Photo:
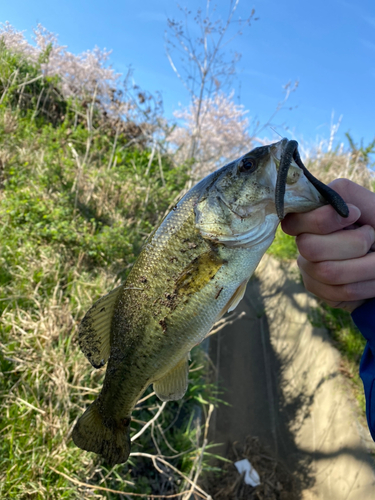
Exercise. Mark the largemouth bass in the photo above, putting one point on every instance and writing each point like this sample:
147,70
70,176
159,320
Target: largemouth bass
192,270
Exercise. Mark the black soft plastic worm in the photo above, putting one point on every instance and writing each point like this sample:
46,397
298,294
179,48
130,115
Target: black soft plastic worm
291,152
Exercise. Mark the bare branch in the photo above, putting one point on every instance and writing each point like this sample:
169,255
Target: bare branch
199,490
199,458
136,436
109,490
204,67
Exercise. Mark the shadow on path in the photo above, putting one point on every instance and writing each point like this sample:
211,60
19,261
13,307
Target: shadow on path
280,377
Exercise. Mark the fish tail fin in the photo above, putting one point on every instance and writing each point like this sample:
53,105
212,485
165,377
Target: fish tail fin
111,439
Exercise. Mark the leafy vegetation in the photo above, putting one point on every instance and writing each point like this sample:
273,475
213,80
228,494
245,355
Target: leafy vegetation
363,153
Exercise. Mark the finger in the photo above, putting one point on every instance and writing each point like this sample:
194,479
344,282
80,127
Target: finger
340,272
341,245
323,220
349,292
358,196
347,306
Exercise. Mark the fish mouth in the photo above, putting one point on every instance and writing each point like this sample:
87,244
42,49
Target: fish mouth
290,152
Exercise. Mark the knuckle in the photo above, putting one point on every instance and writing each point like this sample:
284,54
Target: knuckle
301,262
327,272
349,292
309,285
305,277
365,238
288,224
306,247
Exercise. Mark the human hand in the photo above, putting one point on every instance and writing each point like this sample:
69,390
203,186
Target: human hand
336,259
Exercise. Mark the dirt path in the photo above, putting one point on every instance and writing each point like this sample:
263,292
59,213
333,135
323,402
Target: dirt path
284,385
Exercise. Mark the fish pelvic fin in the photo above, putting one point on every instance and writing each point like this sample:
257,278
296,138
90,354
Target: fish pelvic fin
95,329
175,383
235,299
110,439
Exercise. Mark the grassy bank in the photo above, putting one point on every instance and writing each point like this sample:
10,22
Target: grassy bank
80,191
79,194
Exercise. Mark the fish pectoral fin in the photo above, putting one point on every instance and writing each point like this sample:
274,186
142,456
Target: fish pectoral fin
174,384
235,299
95,328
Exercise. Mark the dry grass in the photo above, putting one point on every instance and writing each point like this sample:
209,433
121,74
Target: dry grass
44,378
327,166
277,483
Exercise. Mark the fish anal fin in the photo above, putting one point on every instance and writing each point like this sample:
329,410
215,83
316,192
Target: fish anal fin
174,384
95,329
235,299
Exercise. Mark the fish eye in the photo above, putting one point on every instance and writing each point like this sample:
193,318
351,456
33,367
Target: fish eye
247,165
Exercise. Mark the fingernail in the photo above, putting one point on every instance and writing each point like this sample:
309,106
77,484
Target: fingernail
354,215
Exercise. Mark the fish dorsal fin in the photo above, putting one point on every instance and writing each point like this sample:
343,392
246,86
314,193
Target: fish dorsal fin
174,384
95,329
235,299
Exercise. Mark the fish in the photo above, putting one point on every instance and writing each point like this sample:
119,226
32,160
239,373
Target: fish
193,269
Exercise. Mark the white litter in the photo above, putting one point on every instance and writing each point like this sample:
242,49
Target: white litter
251,475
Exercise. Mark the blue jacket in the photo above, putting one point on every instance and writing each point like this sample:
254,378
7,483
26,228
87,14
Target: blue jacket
364,318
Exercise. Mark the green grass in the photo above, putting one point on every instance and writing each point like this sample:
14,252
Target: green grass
348,340
283,247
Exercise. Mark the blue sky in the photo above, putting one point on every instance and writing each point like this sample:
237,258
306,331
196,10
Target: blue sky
329,46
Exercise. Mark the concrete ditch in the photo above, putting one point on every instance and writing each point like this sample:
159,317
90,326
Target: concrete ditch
282,379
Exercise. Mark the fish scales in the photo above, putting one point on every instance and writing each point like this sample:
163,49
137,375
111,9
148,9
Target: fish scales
193,269
177,317
137,331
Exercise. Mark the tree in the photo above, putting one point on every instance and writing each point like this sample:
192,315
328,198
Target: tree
83,74
223,132
86,79
204,66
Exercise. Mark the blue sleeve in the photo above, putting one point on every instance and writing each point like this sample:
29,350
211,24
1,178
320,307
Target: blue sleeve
364,318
